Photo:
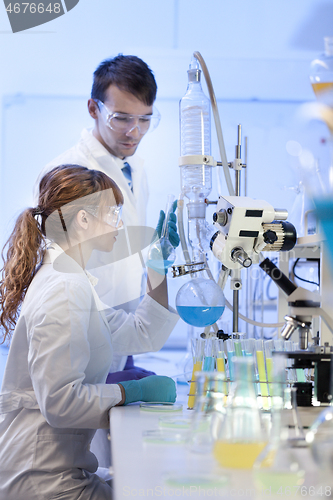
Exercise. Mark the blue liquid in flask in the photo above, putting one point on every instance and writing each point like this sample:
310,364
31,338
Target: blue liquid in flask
200,315
160,265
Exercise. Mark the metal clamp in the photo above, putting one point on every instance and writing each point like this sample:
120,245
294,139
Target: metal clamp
197,160
187,269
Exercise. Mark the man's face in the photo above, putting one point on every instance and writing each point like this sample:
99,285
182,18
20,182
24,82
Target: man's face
119,144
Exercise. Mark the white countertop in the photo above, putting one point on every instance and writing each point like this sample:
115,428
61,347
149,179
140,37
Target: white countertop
142,469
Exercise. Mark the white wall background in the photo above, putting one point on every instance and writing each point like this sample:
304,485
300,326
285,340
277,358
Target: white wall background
258,54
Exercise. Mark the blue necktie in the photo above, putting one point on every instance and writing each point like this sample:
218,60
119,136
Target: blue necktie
127,171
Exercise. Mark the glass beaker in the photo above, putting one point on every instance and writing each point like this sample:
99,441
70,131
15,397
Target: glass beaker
241,435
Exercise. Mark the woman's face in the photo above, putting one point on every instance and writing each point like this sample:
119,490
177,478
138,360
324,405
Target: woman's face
104,227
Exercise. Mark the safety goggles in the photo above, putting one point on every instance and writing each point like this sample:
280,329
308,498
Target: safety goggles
110,215
123,122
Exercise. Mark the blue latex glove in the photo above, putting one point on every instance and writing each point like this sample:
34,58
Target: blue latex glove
153,389
172,225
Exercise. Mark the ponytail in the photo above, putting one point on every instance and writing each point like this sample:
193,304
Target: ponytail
58,189
25,250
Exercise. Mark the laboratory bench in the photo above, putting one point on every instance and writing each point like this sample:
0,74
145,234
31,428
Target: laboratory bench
143,468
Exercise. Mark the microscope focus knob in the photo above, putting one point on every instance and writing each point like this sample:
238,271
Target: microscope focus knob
221,217
270,237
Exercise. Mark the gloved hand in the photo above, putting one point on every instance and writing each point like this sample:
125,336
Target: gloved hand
130,372
135,373
153,389
172,225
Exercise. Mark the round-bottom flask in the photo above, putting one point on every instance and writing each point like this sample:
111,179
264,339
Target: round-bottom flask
200,302
161,255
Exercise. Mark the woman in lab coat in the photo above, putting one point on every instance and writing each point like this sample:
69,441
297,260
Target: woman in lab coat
54,395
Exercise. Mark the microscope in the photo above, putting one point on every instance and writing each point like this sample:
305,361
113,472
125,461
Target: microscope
243,228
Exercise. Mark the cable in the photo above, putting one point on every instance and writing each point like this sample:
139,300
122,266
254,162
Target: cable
302,279
252,322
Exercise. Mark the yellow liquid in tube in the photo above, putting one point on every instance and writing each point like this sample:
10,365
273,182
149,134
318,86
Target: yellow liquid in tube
263,378
322,87
269,367
237,455
220,366
196,368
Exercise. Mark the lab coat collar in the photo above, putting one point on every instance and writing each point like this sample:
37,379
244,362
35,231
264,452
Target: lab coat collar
98,151
62,262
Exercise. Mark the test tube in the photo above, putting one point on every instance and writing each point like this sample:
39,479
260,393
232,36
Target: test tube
197,351
220,361
238,347
262,373
230,355
209,362
269,348
278,345
249,349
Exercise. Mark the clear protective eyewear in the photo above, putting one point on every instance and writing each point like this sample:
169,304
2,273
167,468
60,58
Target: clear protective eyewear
112,216
123,122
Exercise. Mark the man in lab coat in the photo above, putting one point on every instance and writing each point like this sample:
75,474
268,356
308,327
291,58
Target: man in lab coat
121,104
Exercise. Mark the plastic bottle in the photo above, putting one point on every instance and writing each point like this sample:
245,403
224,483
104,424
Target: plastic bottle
321,73
195,136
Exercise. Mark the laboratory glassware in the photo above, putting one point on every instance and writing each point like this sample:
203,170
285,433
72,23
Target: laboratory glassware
200,302
161,253
220,361
230,355
241,435
209,359
321,73
197,353
320,439
261,367
209,410
269,348
277,469
196,180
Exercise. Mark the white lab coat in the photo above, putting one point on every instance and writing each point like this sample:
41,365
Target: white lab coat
90,153
120,284
53,394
